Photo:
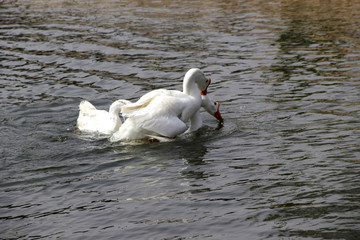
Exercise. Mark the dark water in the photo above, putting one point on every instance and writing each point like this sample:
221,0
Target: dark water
285,165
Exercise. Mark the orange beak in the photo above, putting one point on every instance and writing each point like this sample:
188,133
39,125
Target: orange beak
217,115
203,93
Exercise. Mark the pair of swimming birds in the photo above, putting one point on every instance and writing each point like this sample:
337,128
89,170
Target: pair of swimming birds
159,114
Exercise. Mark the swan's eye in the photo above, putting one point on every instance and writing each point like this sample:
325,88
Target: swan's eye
215,103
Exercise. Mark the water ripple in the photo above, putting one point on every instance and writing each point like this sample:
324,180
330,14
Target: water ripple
284,164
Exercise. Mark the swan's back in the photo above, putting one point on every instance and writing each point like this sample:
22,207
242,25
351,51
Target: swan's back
160,102
145,100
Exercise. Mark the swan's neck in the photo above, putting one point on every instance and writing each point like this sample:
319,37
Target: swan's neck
190,88
114,111
195,122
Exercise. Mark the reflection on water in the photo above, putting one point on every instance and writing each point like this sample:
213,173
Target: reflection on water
284,165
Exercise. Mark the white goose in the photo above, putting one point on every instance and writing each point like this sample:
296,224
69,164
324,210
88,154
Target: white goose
213,108
92,120
163,113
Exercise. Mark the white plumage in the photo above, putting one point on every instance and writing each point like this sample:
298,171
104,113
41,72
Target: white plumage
92,120
160,114
164,113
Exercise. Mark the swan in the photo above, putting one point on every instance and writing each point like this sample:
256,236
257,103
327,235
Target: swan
163,113
92,120
213,108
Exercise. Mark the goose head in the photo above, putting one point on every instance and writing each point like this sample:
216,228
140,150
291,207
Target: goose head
197,76
213,108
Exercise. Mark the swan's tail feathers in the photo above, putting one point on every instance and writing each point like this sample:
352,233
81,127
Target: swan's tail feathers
86,106
86,111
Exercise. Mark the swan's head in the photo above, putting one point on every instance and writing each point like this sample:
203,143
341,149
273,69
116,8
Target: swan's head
117,105
213,108
199,78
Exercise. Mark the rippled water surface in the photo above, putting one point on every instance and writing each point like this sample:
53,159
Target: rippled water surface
285,164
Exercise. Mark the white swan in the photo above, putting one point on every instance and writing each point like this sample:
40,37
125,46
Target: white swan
92,120
213,108
163,113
